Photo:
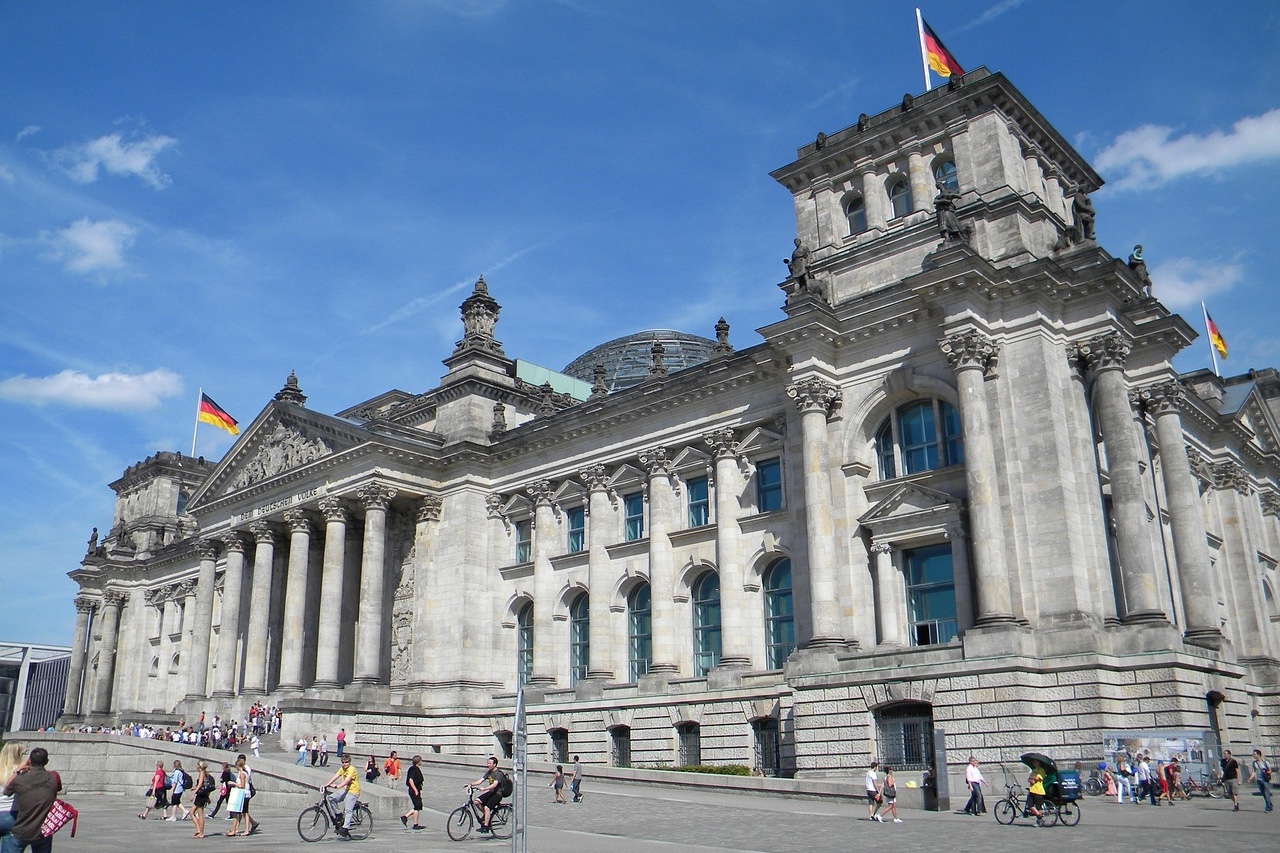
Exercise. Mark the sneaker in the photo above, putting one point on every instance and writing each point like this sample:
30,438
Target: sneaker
897,820
1235,808
404,819
417,826
877,818
484,829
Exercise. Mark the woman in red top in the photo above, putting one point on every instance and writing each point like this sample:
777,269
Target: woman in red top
159,785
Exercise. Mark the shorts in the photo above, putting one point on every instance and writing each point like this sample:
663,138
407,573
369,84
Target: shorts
175,799
416,800
1231,787
872,798
490,799
1035,801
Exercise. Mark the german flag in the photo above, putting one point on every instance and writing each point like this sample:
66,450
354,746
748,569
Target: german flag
212,413
940,59
1215,337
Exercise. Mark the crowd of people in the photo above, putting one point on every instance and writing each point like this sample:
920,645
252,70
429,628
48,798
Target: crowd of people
1161,783
234,786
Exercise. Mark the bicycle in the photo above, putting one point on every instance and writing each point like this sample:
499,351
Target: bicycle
1093,785
314,822
465,817
1013,806
1213,789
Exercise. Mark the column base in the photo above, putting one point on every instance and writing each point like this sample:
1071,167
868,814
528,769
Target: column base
825,643
370,680
543,681
667,668
600,675
325,685
1146,617
222,694
1001,639
1208,638
989,620
735,662
191,697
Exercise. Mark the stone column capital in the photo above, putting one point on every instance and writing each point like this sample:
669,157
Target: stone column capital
1230,475
297,520
1108,351
814,394
540,492
970,350
183,590
233,542
723,443
881,548
334,509
596,477
113,598
263,533
1270,503
375,496
207,549
84,604
429,508
656,461
156,597
1161,398
493,503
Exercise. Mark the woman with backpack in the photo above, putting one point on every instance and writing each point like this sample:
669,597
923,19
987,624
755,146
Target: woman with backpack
159,787
179,781
204,787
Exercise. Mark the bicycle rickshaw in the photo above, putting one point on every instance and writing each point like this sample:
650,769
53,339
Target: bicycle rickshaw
1062,795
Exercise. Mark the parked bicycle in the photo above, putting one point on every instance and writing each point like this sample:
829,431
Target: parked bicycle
314,823
1212,788
470,814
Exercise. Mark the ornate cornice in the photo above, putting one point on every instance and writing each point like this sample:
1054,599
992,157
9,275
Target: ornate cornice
814,395
969,350
656,462
334,510
429,507
375,496
298,521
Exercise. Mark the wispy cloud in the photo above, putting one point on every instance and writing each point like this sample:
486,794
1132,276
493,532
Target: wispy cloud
29,130
87,246
1149,156
105,391
1183,282
115,155
991,13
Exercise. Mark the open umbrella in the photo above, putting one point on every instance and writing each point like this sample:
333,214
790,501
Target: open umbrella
1029,759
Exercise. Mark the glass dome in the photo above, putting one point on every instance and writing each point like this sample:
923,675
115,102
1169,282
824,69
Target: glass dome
627,359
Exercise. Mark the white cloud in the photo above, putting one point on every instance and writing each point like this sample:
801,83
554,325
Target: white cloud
105,391
118,157
1148,156
93,246
1182,282
992,13
6,174
27,131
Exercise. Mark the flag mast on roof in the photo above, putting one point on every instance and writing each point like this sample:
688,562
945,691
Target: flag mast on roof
934,54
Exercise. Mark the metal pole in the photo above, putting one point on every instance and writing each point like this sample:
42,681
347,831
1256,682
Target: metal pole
196,428
519,841
924,52
1213,351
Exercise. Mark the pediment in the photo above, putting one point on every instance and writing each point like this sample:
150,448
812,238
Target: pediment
910,502
1255,421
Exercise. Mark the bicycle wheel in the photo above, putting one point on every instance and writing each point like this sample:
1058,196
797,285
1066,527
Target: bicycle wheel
361,823
1069,813
1006,812
503,822
1215,790
1048,814
1093,787
313,823
460,823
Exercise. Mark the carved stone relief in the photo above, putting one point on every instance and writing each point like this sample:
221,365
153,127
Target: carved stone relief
284,449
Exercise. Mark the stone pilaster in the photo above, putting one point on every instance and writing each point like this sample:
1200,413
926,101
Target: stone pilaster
599,637
332,581
295,599
202,628
735,634
256,638
1239,563
889,588
1105,356
429,616
224,676
814,399
375,498
1190,548
662,570
111,602
971,355
544,584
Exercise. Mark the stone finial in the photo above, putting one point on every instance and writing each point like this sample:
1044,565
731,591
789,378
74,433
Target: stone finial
599,389
479,319
291,393
546,400
658,365
722,347
499,428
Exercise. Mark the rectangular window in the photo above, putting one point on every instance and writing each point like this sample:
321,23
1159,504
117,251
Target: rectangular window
577,523
767,745
524,540
769,485
931,594
620,737
633,514
560,746
690,744
699,508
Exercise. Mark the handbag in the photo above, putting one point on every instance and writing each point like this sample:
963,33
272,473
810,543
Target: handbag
236,802
60,814
891,791
207,786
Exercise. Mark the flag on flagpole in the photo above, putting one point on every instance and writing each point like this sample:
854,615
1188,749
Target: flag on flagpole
937,56
1215,337
211,413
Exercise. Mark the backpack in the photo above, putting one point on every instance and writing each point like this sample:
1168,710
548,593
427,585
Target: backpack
505,787
186,781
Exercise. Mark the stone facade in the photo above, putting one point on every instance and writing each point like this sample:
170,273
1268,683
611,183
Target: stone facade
958,486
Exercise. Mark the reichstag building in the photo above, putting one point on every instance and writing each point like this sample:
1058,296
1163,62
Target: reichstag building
957,487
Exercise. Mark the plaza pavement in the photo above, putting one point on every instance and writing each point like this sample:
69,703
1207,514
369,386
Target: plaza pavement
619,818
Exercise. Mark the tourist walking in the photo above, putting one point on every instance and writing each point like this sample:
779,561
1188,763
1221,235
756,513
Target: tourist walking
239,796
873,792
341,740
224,789
1231,778
34,790
1124,781
575,784
159,785
251,825
302,751
413,783
557,783
324,750
204,787
315,750
178,782
889,794
974,780
1260,772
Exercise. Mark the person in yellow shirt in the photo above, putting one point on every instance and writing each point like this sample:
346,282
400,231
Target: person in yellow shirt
345,794
1035,792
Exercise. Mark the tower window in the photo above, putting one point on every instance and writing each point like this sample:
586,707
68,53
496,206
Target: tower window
855,213
900,198
946,173
920,436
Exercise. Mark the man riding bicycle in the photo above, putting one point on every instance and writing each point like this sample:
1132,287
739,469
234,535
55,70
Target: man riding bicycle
488,791
345,793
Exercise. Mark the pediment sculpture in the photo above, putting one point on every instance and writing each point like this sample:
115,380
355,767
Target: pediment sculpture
286,448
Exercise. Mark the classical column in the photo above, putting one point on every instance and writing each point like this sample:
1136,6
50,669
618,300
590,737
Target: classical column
329,630
111,601
1239,560
1190,545
1105,356
428,614
295,599
735,636
75,671
814,398
963,575
164,599
202,628
922,183
255,640
599,637
224,677
1031,165
888,592
182,615
662,569
544,584
971,354
373,572
874,199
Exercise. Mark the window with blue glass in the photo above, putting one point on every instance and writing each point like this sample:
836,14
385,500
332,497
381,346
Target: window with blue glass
524,540
920,436
931,594
900,198
633,515
855,213
699,507
639,631
946,173
524,643
706,623
576,521
779,614
579,644
769,485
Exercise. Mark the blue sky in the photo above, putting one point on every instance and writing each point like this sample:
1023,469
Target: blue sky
213,194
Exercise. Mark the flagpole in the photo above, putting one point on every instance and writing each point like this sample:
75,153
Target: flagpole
196,428
1208,335
924,51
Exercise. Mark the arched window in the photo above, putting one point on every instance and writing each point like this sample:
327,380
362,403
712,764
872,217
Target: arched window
779,619
706,623
946,173
639,631
919,436
524,643
579,645
183,497
900,198
855,213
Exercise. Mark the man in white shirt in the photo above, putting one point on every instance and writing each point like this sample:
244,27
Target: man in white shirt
873,793
973,778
